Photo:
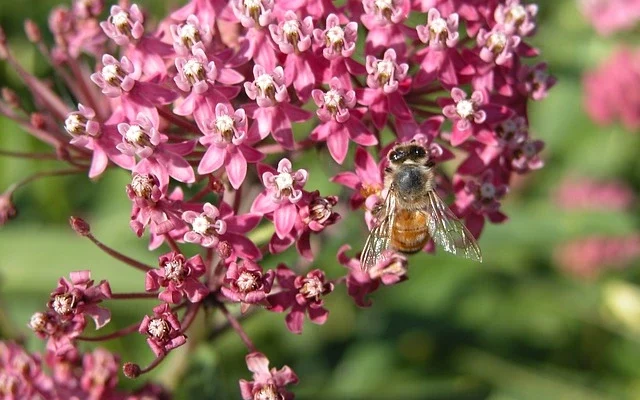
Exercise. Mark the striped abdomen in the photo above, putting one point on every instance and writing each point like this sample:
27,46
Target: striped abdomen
409,233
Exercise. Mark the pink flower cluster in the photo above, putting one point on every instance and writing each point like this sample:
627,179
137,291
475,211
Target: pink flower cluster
229,98
611,16
611,91
595,195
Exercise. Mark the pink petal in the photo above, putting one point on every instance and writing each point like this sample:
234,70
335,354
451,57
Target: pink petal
338,143
212,160
284,217
236,169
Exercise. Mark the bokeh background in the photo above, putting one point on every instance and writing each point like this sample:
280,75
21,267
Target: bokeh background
552,313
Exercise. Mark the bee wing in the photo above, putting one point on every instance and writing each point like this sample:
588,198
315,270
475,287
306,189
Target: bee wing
447,231
379,238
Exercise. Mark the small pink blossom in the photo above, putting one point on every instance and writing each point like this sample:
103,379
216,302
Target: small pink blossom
253,13
611,16
21,374
59,332
335,40
439,33
116,76
188,34
79,296
99,374
301,294
267,89
576,194
247,283
536,81
163,330
497,45
516,17
179,276
367,180
383,12
292,35
206,227
124,25
385,73
267,383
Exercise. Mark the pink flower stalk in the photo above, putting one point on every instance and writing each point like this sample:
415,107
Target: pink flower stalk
79,296
611,90
226,141
179,276
163,330
338,123
283,190
590,256
267,383
247,284
361,283
300,294
589,194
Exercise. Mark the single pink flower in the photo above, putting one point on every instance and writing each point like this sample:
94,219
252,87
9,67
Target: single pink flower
79,296
366,180
335,40
300,294
247,283
206,227
516,17
188,34
497,45
163,330
267,383
253,13
124,25
179,277
99,374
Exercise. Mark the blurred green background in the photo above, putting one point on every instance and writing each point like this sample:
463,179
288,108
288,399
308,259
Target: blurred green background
515,327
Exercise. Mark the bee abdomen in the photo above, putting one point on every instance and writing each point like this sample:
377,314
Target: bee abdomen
409,233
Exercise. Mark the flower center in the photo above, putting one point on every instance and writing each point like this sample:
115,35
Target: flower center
284,183
368,190
224,125
266,85
465,108
438,26
267,392
63,304
385,70
193,71
333,101
487,190
137,136
37,322
174,270
9,386
122,23
247,281
75,124
253,9
158,328
142,185
335,37
312,288
189,35
529,149
516,15
497,42
201,225
113,74
384,7
320,210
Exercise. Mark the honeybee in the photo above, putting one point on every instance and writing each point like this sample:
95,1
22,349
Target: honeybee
412,212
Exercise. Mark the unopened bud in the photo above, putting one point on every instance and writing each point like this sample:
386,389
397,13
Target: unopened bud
131,370
79,225
32,30
10,97
224,249
37,120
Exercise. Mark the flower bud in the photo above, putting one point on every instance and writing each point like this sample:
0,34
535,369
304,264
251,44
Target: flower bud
79,225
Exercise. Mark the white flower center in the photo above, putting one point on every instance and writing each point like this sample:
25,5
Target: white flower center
121,19
201,225
284,181
497,40
135,135
487,190
63,304
73,124
193,70
142,185
252,3
224,123
438,25
465,108
332,99
158,328
37,321
385,68
516,14
173,270
265,83
335,35
312,288
383,4
246,282
290,27
189,33
111,74
267,392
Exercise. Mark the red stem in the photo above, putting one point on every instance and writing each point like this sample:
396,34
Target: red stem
172,243
119,256
127,296
238,328
113,335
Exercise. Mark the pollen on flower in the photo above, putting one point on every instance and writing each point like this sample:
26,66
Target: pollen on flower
189,35
333,100
497,42
516,14
385,70
75,124
267,392
201,225
174,270
37,322
465,108
63,304
266,85
224,125
247,281
335,38
158,328
312,288
284,183
136,135
194,71
122,22
143,185
291,29
113,74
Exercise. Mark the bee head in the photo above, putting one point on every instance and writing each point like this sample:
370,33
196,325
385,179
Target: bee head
410,153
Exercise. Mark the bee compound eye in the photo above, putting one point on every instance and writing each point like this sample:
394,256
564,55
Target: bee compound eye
418,151
394,156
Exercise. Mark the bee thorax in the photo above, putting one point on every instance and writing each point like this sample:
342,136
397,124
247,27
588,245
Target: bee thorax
409,181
